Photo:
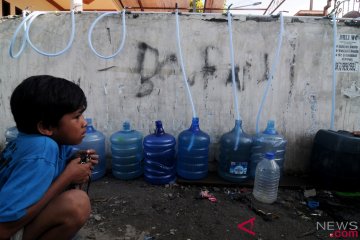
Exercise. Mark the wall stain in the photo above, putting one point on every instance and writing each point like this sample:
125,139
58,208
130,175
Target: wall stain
314,109
246,74
109,34
147,85
266,73
191,80
296,20
261,19
105,69
216,20
292,73
229,79
207,70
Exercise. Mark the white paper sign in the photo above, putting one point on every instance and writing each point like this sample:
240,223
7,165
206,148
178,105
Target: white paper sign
347,53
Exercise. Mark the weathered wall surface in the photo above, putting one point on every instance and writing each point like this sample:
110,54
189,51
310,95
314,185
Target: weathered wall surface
144,82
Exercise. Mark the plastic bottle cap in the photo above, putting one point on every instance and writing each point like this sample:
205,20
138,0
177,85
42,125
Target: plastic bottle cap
158,123
126,125
269,155
270,128
271,123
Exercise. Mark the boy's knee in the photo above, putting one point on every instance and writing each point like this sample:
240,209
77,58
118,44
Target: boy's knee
79,206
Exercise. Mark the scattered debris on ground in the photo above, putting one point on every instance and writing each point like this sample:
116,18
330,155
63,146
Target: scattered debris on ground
141,211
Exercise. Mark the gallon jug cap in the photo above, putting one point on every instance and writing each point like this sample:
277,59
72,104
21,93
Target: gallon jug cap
238,122
159,128
89,121
158,123
195,120
89,126
126,126
271,124
269,155
195,124
270,128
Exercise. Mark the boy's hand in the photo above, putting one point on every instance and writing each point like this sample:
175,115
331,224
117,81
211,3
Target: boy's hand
88,156
80,173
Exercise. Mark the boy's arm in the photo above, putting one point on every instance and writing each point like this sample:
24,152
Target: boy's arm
74,173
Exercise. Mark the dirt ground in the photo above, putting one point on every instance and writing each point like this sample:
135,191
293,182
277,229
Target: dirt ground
138,210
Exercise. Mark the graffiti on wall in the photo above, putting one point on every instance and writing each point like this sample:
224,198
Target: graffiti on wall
150,65
148,54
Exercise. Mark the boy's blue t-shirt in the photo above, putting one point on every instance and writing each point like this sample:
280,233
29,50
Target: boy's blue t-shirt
28,166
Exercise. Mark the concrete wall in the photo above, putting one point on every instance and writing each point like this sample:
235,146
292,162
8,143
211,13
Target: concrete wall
144,82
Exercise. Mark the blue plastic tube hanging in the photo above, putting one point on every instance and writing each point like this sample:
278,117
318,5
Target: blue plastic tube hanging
23,42
121,46
26,39
272,71
233,66
184,73
229,18
57,53
333,73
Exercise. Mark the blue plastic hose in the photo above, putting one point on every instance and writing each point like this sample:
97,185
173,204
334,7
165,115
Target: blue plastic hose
273,69
233,78
13,39
334,73
233,67
184,74
182,63
121,46
36,14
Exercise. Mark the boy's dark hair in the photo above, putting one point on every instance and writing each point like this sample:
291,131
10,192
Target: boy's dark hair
44,98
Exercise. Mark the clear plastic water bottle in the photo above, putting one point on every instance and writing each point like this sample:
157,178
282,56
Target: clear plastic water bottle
159,154
193,152
234,156
268,141
126,153
94,140
267,178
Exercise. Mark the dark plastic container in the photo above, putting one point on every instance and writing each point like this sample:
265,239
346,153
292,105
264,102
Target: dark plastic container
335,160
159,154
234,156
193,152
94,140
126,153
268,141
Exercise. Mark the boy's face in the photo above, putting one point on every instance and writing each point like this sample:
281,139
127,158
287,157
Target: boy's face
71,129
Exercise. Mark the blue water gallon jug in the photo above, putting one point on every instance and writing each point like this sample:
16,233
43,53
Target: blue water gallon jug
10,134
193,152
94,140
234,158
268,141
159,154
267,176
126,153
